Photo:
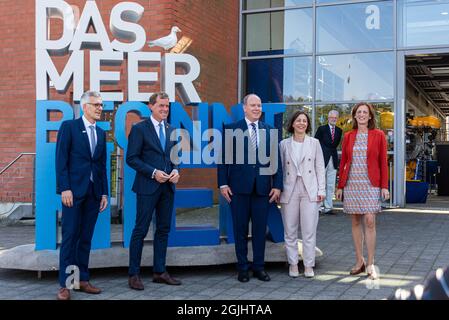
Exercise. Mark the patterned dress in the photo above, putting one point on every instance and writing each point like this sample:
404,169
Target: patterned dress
359,195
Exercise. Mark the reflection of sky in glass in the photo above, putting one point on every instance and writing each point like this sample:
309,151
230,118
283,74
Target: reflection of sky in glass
297,79
366,76
352,27
261,4
298,31
423,22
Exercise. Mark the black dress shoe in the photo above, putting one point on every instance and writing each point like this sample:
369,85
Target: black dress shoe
261,275
165,278
243,276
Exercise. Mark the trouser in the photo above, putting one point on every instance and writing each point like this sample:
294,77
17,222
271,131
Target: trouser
300,210
78,224
245,207
331,175
162,202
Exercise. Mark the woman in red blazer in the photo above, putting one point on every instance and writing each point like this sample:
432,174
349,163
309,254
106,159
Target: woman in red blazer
363,182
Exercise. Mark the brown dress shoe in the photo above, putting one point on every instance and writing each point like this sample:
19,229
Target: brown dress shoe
135,283
86,287
63,294
165,278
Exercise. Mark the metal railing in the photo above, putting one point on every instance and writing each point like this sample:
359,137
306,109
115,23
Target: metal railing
33,194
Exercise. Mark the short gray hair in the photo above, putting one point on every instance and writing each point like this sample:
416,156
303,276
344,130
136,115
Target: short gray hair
245,99
334,112
88,94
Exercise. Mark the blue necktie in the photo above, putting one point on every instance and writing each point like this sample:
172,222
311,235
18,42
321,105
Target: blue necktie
162,135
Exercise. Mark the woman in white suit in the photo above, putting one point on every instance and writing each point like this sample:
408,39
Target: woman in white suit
304,189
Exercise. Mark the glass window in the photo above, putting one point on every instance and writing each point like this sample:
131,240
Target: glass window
364,76
356,26
423,23
331,1
280,80
384,118
263,4
283,32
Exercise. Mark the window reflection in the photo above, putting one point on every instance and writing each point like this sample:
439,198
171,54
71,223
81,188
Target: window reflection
280,80
358,26
365,76
423,22
263,4
283,32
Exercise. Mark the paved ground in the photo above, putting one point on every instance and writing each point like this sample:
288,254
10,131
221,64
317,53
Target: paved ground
410,247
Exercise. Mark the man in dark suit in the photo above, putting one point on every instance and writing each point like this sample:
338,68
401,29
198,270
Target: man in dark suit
329,136
82,182
248,186
149,147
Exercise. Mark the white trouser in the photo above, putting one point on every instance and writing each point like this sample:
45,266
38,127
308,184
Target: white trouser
300,210
331,175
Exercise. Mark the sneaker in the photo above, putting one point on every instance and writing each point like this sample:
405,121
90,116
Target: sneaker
308,273
293,271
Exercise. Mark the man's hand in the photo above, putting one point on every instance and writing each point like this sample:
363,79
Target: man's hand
174,177
103,203
161,176
339,194
67,198
226,193
275,195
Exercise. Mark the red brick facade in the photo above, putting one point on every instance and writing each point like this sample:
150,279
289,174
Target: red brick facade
212,25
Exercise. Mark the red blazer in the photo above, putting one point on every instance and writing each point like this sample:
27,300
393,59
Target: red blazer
376,154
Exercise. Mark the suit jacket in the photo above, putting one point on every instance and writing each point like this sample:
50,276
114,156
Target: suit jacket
74,162
376,158
311,167
242,176
324,135
145,154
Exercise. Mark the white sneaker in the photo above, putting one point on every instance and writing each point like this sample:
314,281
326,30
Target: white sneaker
293,271
308,273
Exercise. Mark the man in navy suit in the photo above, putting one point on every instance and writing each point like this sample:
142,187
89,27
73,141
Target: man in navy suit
329,136
248,186
82,182
149,147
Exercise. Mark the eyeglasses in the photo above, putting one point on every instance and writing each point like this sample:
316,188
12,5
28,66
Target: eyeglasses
97,105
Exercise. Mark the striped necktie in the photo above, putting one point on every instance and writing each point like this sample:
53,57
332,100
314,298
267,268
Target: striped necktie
253,135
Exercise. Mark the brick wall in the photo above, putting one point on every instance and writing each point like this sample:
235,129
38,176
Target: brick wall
213,26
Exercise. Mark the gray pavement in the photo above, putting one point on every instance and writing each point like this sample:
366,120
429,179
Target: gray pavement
411,245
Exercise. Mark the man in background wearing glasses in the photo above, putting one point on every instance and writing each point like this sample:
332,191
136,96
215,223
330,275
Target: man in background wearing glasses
82,182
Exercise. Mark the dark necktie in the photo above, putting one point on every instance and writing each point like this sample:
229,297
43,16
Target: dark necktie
333,133
253,135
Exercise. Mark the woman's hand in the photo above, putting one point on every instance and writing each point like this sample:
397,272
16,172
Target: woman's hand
339,194
385,194
320,198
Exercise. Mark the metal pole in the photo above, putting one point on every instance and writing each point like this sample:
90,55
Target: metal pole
391,184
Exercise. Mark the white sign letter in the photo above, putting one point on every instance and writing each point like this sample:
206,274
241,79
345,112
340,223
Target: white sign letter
84,40
123,24
46,9
135,77
97,77
183,82
45,66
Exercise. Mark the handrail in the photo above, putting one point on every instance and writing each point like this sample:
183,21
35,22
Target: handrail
17,158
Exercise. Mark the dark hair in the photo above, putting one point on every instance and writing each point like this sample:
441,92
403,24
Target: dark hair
371,122
160,95
292,119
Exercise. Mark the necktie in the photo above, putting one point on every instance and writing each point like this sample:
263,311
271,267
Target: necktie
253,135
333,133
162,135
93,142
